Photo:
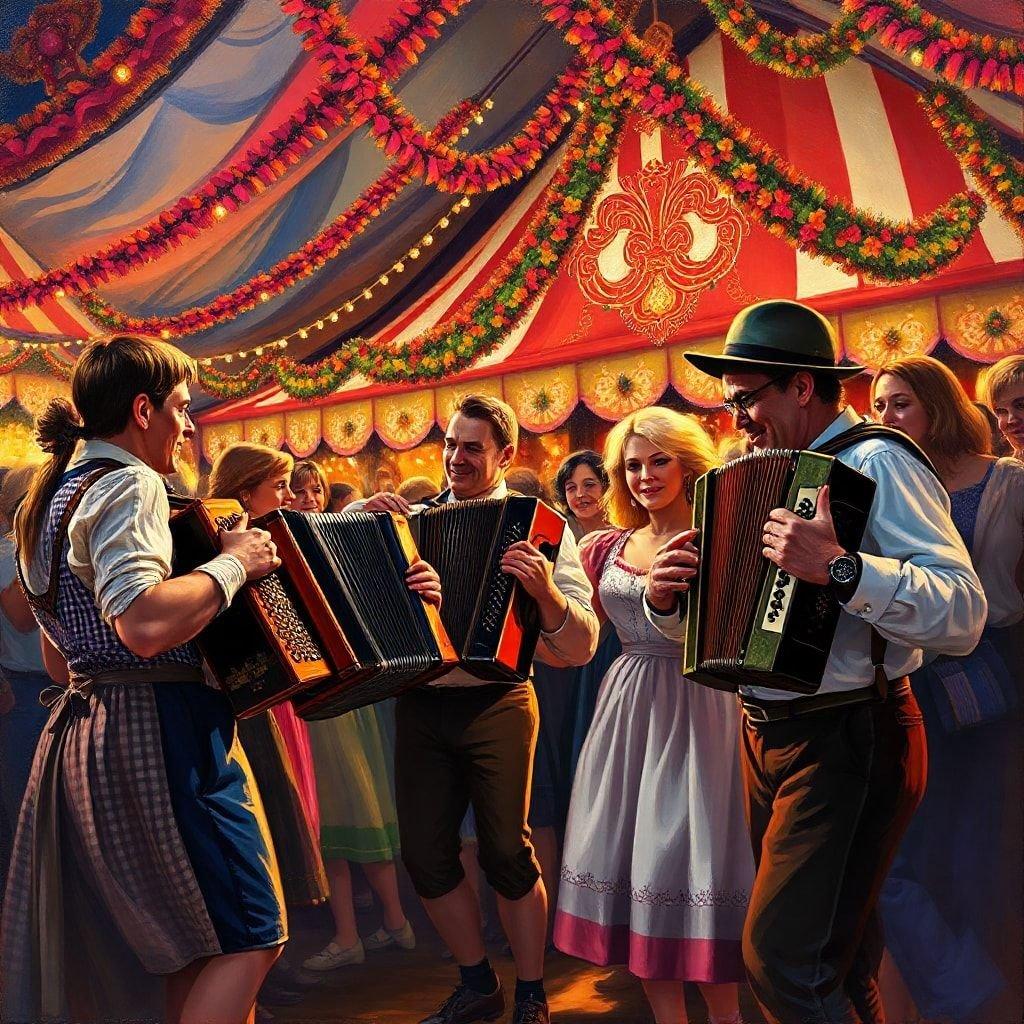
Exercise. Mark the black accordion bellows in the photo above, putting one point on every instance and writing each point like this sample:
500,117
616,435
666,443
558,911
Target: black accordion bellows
494,626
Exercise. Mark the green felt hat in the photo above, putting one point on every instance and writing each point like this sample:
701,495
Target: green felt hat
776,335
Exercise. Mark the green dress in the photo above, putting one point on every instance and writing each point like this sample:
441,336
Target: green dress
358,820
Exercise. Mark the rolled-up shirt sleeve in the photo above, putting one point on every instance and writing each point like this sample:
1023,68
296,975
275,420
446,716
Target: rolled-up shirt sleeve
120,538
918,586
575,640
670,624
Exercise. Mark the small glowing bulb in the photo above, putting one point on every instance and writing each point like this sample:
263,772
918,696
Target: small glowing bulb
67,344
489,104
414,253
303,333
383,279
478,119
581,106
258,350
464,202
916,58
121,73
283,343
443,222
60,293
220,211
349,308
319,325
264,296
427,239
463,131
399,267
242,354
227,357
367,294
334,317
165,334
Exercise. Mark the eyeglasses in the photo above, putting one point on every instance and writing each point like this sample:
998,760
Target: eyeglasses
743,401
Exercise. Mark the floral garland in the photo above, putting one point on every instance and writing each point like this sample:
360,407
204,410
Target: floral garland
976,145
155,37
901,25
265,161
326,33
484,320
325,246
14,360
769,188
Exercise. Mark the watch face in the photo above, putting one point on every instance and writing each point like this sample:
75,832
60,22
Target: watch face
843,569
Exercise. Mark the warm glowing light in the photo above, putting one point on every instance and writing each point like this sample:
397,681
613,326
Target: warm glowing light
489,104
60,293
349,308
220,211
399,267
384,279
165,334
367,294
443,222
463,131
414,254
303,333
264,296
121,73
478,119
464,202
258,350
427,239
334,317
319,325
916,58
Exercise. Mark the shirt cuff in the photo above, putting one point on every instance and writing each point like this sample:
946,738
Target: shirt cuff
879,581
553,634
672,618
228,572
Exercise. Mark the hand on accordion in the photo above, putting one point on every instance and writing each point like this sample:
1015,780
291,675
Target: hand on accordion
252,547
423,578
803,547
673,567
385,501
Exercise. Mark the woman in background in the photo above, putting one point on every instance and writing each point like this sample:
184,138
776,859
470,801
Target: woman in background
358,822
580,485
951,905
21,662
1001,388
657,868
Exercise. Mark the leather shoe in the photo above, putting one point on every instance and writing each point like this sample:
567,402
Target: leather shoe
530,1011
464,1006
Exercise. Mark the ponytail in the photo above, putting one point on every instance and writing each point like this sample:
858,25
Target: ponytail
58,430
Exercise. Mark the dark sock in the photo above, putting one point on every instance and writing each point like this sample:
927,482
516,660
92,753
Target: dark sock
530,990
480,977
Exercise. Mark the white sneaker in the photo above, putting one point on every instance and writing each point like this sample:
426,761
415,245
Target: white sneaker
384,937
332,956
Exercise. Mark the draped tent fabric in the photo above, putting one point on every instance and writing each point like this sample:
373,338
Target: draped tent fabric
858,130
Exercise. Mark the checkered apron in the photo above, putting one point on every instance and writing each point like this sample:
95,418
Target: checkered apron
100,881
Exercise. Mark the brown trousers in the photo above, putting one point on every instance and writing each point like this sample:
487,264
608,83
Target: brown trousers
457,746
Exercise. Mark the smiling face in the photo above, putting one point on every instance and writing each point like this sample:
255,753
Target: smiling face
776,416
583,492
654,478
309,494
167,428
896,405
1008,405
273,492
473,462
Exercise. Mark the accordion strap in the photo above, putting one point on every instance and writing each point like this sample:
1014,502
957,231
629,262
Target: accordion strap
875,431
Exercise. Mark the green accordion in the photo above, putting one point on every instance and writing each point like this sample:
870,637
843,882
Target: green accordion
748,621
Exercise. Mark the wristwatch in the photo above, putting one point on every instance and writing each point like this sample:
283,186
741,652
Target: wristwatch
844,574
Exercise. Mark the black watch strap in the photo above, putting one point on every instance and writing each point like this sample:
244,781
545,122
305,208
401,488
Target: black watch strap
844,591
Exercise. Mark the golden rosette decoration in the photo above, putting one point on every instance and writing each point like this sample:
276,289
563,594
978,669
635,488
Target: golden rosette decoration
402,421
882,335
613,388
542,399
346,428
697,388
266,430
217,437
302,431
985,325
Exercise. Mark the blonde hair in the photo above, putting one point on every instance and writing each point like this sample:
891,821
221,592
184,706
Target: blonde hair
308,470
1007,373
108,377
955,425
681,436
243,467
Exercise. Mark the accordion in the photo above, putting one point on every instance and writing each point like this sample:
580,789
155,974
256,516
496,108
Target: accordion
334,628
494,625
748,621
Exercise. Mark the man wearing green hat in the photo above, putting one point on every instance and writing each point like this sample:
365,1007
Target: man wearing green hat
831,780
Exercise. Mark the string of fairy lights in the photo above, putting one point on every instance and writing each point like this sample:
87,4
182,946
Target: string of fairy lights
346,307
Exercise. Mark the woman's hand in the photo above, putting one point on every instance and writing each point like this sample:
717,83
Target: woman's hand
673,567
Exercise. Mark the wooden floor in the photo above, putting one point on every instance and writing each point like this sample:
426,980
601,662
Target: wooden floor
396,986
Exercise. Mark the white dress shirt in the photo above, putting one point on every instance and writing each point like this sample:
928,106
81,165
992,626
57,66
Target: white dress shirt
575,640
120,538
918,587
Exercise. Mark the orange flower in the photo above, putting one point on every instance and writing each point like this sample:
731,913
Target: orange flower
872,247
817,220
725,147
764,198
571,204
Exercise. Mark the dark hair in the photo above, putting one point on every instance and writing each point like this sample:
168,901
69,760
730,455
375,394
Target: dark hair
827,386
108,377
341,493
572,462
497,413
526,481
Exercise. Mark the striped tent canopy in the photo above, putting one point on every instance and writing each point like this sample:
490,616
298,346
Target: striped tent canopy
613,316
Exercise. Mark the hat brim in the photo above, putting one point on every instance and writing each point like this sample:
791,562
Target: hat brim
715,366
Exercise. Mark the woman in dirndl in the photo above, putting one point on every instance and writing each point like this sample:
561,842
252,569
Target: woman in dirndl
142,848
657,867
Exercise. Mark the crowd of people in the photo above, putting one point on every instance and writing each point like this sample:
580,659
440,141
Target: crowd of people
618,813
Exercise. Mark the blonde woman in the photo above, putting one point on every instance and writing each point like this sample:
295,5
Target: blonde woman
657,866
259,478
951,904
358,822
1001,388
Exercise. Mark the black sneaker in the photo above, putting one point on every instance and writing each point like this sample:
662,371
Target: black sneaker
530,1011
464,1006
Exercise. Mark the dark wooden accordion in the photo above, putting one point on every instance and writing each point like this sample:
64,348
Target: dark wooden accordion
494,625
335,628
748,621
